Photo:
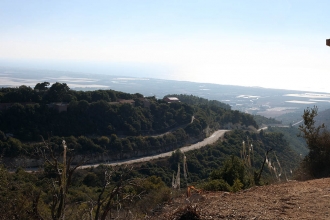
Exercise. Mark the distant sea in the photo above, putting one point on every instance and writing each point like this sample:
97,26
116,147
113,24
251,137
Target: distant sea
254,100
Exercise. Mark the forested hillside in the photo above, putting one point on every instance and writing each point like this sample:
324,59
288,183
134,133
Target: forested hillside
115,125
107,121
194,100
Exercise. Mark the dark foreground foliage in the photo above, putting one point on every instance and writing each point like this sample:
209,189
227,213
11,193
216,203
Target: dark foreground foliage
317,162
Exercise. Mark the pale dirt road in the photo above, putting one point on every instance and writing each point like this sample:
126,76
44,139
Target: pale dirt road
210,140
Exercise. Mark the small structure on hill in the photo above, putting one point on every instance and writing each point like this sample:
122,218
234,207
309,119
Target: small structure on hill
171,99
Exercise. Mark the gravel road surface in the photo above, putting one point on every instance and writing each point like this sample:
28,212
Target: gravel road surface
210,140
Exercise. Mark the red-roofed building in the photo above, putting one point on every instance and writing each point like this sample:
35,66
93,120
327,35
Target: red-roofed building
171,99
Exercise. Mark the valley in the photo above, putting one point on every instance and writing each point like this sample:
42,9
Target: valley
219,145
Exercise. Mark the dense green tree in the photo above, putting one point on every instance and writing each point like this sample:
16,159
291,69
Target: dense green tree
86,96
57,92
100,95
91,179
21,94
112,95
127,146
217,185
233,169
317,162
15,147
87,145
42,86
103,141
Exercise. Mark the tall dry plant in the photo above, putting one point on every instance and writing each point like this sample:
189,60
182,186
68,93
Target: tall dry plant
62,165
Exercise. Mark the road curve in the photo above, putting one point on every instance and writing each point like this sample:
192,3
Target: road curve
210,140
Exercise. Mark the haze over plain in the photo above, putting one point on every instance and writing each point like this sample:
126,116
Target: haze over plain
273,44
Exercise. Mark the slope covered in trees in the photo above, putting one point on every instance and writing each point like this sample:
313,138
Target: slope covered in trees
107,121
98,193
92,126
194,100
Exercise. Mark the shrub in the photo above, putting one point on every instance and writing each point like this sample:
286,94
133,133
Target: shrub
216,185
237,186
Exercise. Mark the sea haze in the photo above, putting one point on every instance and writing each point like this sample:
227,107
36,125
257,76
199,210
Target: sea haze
274,103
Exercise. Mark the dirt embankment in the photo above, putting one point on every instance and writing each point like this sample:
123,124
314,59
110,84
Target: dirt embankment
291,200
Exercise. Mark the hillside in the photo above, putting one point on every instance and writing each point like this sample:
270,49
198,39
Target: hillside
110,122
296,143
323,117
109,126
290,200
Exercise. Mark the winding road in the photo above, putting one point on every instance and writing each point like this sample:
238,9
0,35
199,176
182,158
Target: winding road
281,126
210,140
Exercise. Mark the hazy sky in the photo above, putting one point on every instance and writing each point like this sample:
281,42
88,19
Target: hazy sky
277,44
